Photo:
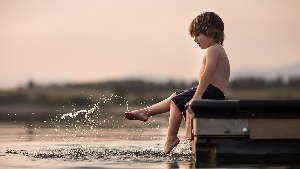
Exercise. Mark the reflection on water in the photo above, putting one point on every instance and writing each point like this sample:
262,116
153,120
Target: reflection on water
124,148
96,136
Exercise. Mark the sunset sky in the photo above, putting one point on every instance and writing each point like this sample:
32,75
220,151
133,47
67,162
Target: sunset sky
58,41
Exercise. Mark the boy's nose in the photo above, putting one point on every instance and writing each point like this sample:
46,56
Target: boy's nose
195,39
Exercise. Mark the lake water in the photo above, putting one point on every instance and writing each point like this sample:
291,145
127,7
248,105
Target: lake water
94,138
35,148
41,147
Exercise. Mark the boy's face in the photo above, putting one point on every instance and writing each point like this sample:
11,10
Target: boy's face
203,41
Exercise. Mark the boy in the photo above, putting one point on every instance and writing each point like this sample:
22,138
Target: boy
207,30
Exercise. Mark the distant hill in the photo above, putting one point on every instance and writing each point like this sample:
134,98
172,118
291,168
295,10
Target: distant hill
284,72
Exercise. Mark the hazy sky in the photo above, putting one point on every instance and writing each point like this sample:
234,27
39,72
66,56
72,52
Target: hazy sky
93,40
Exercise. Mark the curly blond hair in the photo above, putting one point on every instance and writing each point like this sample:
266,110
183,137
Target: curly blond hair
208,24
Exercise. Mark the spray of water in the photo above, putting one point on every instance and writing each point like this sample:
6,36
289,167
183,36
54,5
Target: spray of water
89,124
102,101
92,122
145,154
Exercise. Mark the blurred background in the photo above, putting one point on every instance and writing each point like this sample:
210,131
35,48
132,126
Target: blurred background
60,54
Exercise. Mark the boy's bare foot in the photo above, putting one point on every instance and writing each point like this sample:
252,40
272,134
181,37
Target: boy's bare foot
136,115
169,145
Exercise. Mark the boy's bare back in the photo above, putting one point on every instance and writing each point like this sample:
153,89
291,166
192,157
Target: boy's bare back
218,60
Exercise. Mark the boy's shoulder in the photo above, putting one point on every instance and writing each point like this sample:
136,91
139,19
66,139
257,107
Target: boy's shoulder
215,49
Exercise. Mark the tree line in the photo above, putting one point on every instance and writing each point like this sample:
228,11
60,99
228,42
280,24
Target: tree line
140,86
260,82
139,89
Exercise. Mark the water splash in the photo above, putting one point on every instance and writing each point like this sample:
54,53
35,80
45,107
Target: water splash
86,112
146,154
90,124
102,101
87,124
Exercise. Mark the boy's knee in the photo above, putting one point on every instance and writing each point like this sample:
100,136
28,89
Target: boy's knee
173,95
173,105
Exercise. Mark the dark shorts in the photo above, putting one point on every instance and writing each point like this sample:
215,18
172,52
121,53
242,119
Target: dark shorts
182,97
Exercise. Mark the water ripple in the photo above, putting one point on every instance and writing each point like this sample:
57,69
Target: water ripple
104,154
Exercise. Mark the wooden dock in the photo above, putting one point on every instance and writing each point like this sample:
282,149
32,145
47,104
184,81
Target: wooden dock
245,131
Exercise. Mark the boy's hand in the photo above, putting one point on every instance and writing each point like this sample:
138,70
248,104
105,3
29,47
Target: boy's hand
188,103
194,98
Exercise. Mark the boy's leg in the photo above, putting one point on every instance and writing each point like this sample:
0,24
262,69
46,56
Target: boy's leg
188,125
144,114
174,124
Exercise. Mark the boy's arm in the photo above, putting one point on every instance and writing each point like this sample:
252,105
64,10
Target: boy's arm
212,56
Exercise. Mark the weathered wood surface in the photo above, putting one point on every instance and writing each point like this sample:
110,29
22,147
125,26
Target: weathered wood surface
274,128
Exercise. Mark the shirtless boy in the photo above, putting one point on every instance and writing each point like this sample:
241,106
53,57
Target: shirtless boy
207,30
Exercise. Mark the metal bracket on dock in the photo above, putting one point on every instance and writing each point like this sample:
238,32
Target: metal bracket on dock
220,127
